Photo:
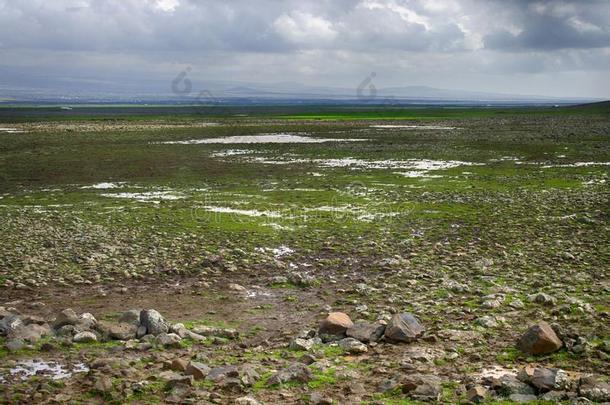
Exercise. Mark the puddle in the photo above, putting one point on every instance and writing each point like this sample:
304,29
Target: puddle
496,372
232,152
12,130
55,371
279,227
151,196
262,138
594,182
250,213
577,164
353,163
415,174
436,127
257,293
104,186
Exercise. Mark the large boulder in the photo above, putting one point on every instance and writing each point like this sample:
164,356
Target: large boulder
29,333
154,322
168,340
85,337
335,326
539,339
404,328
118,331
547,379
132,316
366,332
9,324
65,317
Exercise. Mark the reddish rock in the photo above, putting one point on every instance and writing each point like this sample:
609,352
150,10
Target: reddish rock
539,339
335,324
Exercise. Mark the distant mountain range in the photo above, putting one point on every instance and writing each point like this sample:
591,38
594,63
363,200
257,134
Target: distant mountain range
78,90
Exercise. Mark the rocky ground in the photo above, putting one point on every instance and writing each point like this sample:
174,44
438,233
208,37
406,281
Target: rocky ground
485,281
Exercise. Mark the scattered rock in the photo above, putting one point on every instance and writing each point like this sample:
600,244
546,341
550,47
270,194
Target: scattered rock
334,326
10,323
353,346
247,401
103,384
366,332
295,372
179,365
509,385
422,387
132,316
198,370
543,298
487,321
14,345
168,340
237,287
522,398
65,317
221,373
118,331
476,394
85,337
403,328
593,389
86,321
547,379
29,333
203,330
316,398
539,339
301,344
153,321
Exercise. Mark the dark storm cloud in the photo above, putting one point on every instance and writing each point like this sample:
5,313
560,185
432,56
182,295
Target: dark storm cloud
550,25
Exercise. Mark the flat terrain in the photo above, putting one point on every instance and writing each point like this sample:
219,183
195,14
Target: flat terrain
463,217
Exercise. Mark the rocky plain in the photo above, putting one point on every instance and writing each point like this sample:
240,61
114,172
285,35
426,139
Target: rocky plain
466,264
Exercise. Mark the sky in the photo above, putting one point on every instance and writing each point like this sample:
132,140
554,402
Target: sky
555,48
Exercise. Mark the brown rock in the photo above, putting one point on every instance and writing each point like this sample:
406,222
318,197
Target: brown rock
539,339
198,370
179,365
335,324
477,394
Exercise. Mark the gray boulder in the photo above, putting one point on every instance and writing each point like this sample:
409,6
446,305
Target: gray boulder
65,317
85,337
594,389
403,328
132,316
295,372
154,322
9,323
547,379
353,346
366,332
29,333
168,340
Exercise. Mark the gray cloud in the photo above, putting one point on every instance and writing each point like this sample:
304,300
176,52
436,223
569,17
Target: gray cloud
485,44
550,25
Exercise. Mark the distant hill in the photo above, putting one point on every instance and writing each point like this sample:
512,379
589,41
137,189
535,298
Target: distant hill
601,105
